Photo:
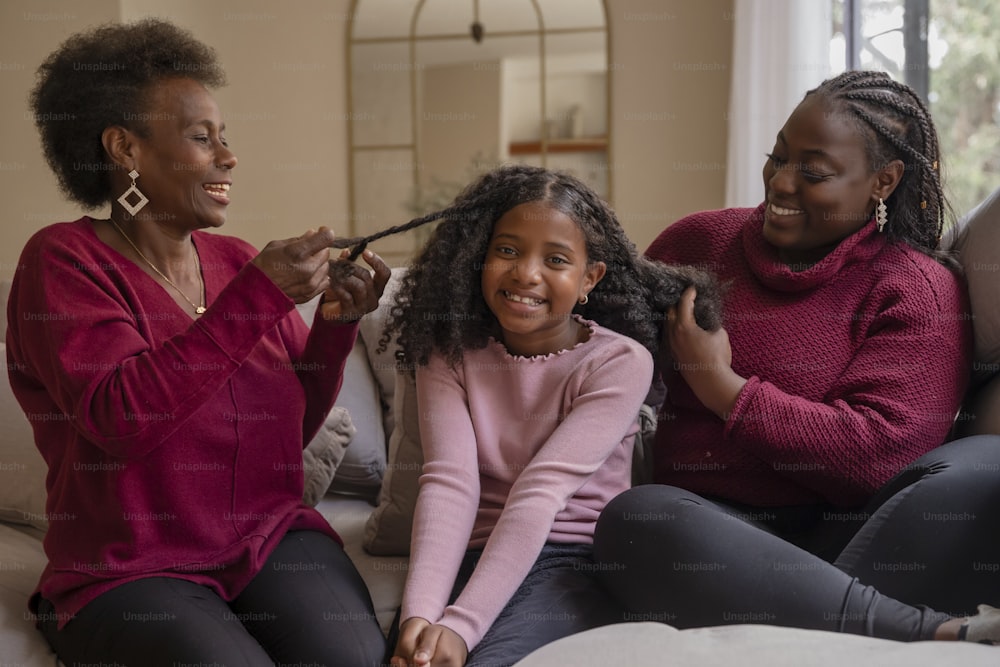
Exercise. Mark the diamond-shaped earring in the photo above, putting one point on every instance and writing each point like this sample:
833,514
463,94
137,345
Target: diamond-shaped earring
133,191
881,214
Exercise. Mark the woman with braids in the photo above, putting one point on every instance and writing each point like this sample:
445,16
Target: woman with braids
148,355
801,480
530,321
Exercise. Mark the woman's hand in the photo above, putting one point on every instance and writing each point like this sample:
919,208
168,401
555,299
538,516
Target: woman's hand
703,358
422,644
353,290
298,266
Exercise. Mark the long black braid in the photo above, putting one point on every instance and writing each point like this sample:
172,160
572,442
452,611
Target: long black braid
897,126
439,307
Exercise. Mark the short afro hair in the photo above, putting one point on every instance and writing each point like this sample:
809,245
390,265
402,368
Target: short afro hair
98,79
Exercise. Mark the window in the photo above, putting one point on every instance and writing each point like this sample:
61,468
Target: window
945,50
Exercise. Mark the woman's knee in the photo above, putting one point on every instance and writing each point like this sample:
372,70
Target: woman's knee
652,515
972,463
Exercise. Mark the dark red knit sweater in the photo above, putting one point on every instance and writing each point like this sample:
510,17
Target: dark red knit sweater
174,446
855,366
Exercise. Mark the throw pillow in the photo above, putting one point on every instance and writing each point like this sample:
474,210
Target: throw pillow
324,453
387,532
383,364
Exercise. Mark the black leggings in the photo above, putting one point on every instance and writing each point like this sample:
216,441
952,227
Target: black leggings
930,537
308,605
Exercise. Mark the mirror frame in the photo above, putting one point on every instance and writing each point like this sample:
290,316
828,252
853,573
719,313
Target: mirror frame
545,145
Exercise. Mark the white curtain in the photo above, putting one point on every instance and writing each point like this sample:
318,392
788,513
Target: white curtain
781,49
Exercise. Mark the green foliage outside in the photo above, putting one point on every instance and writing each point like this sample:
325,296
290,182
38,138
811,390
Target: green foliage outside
965,94
964,86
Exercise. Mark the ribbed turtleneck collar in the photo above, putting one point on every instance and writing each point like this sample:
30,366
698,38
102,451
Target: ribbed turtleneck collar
762,257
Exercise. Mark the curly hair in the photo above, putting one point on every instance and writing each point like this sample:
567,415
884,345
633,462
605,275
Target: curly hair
439,307
896,125
100,78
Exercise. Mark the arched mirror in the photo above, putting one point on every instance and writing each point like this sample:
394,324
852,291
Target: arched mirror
441,91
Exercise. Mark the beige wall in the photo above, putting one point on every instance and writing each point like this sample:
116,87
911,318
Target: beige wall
670,64
286,109
29,196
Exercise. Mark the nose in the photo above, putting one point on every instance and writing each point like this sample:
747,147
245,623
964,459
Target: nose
527,271
782,179
225,158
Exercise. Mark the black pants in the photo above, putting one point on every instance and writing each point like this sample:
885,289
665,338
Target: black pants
559,597
308,606
930,537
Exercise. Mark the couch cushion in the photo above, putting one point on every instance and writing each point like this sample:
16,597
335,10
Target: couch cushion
22,468
21,564
363,464
645,643
976,240
384,577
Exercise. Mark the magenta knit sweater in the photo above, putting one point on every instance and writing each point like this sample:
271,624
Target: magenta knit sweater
855,366
174,446
519,451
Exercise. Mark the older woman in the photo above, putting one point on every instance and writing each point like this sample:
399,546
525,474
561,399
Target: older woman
170,384
800,476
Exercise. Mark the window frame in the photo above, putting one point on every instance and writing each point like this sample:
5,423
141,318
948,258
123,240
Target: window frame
916,20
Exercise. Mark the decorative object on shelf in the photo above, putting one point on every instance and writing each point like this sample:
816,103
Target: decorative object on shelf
574,122
551,129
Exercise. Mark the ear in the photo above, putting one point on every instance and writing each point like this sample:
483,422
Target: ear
121,146
593,275
887,178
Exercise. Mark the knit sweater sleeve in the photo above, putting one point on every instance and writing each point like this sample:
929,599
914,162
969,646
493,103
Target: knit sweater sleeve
895,401
74,329
449,492
600,416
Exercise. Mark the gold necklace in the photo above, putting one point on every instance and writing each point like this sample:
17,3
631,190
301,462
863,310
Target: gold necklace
198,309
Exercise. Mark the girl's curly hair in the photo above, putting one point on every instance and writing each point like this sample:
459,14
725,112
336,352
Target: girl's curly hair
440,309
100,78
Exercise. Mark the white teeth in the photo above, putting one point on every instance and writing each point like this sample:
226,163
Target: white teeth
777,210
523,299
218,187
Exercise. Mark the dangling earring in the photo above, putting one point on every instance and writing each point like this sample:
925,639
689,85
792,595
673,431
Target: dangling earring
133,191
881,215
584,301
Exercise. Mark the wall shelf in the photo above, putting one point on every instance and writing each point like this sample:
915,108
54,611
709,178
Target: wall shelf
581,145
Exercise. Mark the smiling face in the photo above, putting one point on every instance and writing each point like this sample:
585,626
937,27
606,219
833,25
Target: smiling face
184,162
534,273
818,183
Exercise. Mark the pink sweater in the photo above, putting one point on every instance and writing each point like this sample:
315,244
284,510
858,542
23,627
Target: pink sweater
519,451
855,366
174,448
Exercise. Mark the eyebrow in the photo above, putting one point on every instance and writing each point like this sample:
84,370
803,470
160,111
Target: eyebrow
550,244
208,123
810,151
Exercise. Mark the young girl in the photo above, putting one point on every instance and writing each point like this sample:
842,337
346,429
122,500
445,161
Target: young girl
528,411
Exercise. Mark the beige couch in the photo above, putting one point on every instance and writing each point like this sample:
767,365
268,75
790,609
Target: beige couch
379,466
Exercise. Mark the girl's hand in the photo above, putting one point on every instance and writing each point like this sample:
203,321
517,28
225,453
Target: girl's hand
422,644
703,358
298,266
353,290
